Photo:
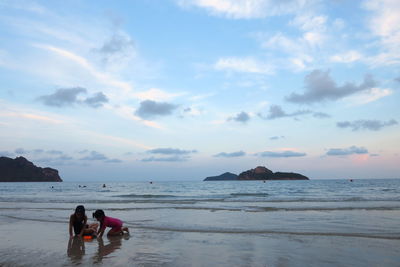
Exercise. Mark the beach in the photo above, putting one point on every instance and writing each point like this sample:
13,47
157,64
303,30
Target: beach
206,224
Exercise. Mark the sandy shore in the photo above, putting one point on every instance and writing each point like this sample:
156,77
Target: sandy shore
36,243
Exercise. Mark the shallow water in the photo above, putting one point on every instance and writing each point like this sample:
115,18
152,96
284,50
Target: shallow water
246,217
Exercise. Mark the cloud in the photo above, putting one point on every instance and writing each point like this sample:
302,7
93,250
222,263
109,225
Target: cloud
248,65
347,57
119,47
59,161
97,100
346,151
165,159
276,137
149,109
170,151
63,97
113,161
321,115
373,125
319,86
94,155
176,155
246,9
241,117
21,151
276,112
397,79
69,96
6,154
384,24
369,95
156,94
281,154
230,155
54,152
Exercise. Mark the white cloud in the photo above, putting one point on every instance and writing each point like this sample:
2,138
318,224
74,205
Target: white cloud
385,24
21,113
314,38
297,50
347,57
386,20
31,116
367,96
310,23
246,9
201,97
156,95
282,42
248,64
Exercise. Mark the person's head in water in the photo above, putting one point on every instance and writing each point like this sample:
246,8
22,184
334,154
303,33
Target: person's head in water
80,211
99,215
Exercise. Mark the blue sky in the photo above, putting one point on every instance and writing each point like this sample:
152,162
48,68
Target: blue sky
184,89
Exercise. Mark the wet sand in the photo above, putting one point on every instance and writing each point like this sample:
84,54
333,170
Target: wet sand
36,243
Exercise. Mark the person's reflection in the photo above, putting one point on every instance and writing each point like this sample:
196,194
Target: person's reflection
76,249
114,244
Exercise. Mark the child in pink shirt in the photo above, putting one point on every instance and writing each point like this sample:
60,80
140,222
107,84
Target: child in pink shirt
105,221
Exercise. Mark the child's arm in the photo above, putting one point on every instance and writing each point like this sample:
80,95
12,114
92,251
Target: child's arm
101,231
70,225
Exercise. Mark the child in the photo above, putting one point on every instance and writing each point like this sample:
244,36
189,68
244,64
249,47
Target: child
105,221
78,221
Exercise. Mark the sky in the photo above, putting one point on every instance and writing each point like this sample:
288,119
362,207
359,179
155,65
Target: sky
184,89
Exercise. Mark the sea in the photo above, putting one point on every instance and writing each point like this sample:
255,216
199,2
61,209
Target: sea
225,223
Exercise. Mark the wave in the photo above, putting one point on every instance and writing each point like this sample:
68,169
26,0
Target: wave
213,209
144,225
146,196
249,194
390,236
173,199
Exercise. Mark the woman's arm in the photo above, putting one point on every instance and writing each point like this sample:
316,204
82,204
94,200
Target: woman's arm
71,222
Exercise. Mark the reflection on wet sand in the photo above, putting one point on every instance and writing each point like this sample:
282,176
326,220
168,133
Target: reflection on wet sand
114,243
76,249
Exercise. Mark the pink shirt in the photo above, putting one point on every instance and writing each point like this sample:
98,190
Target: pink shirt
111,222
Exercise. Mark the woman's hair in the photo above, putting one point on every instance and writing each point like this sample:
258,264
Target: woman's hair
80,209
98,214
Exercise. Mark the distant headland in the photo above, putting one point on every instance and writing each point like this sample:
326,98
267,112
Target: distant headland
259,173
22,170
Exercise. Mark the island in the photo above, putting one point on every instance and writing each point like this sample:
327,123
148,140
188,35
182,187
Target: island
258,173
227,176
22,170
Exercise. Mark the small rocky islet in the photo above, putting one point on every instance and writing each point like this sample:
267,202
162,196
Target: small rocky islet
258,173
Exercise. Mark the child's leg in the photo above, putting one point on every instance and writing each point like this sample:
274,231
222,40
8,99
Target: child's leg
115,231
125,229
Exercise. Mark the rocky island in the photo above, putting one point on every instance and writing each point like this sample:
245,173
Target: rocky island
259,173
22,170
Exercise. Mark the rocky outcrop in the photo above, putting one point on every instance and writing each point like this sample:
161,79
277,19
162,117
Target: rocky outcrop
223,177
259,173
22,170
289,176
